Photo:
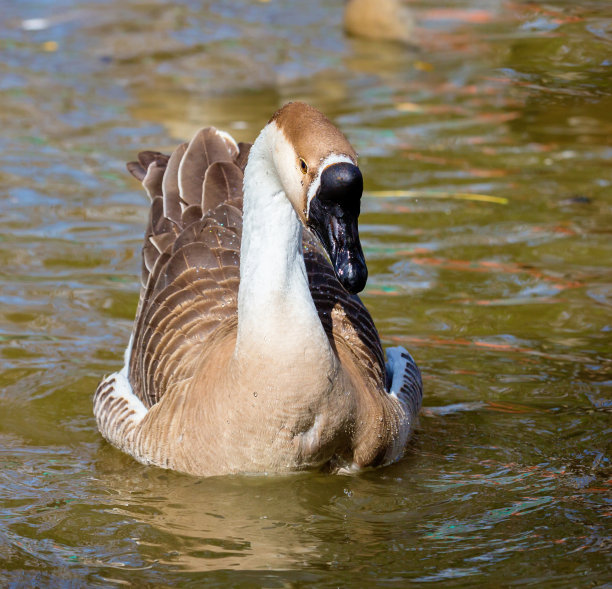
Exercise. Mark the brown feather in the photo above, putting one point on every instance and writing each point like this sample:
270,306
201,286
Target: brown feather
207,147
147,157
163,241
229,215
152,181
170,186
222,182
243,154
191,214
137,170
149,251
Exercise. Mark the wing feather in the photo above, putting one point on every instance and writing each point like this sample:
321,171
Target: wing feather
243,154
222,182
206,147
170,186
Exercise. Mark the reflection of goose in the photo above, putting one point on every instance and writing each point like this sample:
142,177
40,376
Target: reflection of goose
248,352
384,20
252,523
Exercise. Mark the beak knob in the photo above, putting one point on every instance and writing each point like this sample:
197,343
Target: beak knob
341,183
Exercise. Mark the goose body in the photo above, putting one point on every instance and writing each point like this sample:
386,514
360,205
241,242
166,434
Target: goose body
249,353
380,20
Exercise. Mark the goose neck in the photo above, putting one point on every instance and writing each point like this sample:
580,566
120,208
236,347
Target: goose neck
276,313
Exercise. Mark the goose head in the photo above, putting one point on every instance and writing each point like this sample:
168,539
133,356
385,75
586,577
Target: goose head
317,168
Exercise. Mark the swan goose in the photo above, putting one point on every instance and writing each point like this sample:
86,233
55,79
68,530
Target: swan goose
380,20
250,351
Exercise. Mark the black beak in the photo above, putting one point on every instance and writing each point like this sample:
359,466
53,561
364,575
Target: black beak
333,215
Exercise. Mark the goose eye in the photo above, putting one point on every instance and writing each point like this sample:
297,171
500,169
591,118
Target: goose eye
303,166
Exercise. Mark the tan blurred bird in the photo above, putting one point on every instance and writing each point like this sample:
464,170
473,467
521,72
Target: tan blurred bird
382,20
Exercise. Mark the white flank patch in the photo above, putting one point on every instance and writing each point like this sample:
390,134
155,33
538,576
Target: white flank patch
396,367
126,357
122,389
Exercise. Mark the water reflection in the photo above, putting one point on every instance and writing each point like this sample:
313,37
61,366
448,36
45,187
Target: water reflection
241,524
505,303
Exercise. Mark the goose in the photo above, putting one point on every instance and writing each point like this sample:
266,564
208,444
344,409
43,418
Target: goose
381,20
251,351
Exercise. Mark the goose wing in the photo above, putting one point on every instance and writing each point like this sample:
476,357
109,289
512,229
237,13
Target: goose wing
350,327
345,318
190,257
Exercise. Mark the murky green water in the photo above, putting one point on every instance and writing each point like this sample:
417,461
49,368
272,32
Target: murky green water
507,305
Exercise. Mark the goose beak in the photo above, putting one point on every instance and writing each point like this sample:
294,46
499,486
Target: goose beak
333,215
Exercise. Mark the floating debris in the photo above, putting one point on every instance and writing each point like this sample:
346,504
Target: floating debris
500,200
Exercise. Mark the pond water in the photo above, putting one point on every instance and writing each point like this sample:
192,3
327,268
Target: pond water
505,302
